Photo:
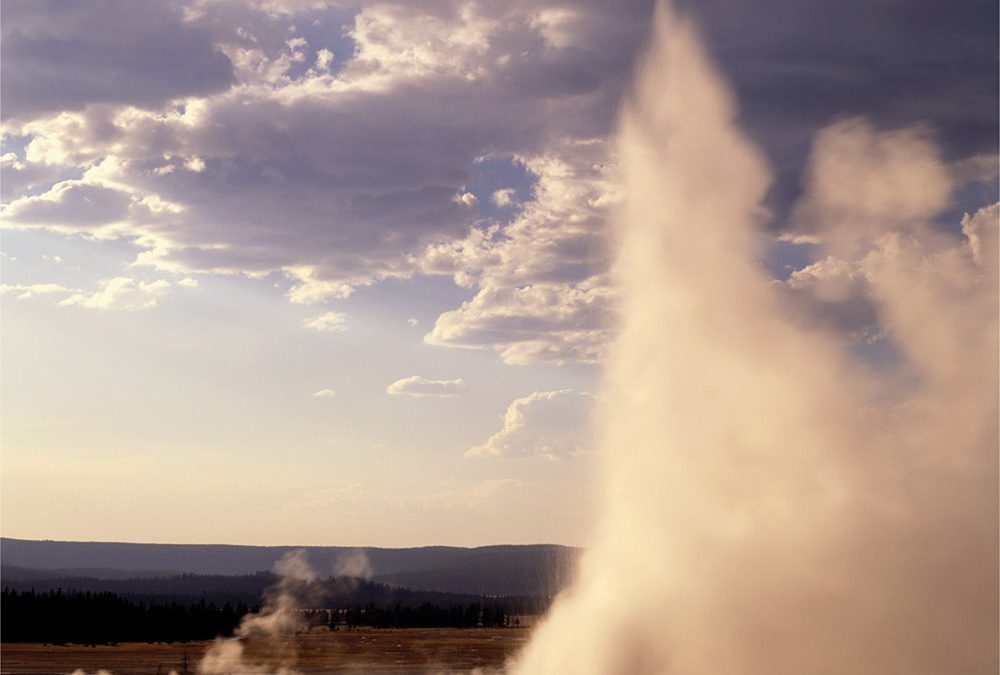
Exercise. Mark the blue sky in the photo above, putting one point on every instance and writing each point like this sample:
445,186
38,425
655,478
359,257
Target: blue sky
231,227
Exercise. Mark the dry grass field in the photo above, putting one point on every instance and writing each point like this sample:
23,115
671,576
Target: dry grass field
415,650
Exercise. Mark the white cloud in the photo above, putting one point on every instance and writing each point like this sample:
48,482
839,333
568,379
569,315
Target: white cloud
395,43
121,293
188,282
980,229
324,393
340,203
555,323
332,211
28,291
324,60
551,424
504,197
326,323
544,294
235,179
422,387
466,198
555,25
311,291
412,321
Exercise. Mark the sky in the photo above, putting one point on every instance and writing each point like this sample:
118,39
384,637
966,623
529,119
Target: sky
297,272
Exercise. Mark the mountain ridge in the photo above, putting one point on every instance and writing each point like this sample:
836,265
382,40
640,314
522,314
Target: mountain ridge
504,569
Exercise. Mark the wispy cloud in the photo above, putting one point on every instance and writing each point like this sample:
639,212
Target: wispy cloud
326,323
121,293
422,387
28,291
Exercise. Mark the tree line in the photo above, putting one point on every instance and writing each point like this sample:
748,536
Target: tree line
188,589
87,618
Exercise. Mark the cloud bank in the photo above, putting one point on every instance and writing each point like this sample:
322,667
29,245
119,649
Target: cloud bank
340,146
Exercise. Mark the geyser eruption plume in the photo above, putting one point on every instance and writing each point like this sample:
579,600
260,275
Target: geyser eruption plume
773,503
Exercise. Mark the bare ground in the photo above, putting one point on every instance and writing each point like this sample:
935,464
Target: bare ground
410,650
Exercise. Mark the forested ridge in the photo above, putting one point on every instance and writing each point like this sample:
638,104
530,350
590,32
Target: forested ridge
87,618
197,607
248,589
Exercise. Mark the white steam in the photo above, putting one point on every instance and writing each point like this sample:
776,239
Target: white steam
775,504
274,627
354,564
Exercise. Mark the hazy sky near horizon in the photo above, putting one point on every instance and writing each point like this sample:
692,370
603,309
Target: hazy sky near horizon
305,272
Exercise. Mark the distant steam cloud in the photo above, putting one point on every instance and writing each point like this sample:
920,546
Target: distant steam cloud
422,387
354,564
278,618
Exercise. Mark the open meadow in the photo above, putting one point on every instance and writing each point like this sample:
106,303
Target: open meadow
409,650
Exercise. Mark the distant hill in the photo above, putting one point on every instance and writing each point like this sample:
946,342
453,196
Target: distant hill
16,573
250,589
541,569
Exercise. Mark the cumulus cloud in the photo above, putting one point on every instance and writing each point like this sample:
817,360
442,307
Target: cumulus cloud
544,294
422,387
311,290
338,158
542,424
326,323
358,164
324,393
